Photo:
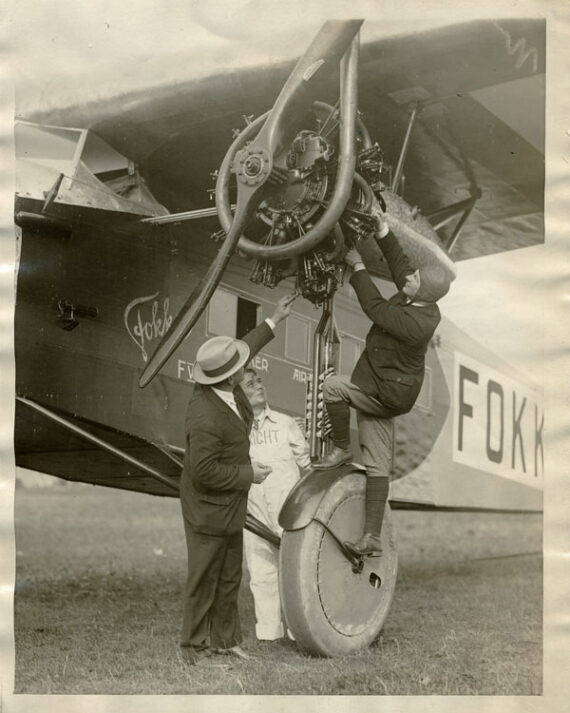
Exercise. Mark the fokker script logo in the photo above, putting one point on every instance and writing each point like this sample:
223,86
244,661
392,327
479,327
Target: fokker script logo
145,320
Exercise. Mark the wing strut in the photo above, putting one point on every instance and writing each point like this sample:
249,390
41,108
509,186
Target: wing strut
252,524
404,151
170,482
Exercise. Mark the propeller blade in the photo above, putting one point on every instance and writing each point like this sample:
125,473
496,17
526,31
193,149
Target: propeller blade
301,89
202,293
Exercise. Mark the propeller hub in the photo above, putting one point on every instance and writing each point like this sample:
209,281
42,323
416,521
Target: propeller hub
252,165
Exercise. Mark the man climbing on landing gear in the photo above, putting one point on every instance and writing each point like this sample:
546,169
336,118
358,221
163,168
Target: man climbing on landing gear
389,374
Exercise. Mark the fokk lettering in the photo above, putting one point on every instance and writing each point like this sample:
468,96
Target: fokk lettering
499,422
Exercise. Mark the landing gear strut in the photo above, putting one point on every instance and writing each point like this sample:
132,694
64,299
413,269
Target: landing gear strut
334,602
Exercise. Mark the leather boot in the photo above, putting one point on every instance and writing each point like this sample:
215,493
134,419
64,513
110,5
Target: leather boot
336,457
368,544
339,417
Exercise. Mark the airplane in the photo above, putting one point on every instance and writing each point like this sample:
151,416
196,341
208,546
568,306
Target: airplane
115,230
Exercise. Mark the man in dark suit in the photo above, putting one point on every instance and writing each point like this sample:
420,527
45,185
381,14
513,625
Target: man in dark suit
389,374
215,482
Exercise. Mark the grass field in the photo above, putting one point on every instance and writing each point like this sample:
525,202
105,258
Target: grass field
99,583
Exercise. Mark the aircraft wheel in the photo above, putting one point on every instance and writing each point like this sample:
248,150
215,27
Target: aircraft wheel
330,609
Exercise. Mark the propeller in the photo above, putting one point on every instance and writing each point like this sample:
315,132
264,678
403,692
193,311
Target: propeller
344,179
260,168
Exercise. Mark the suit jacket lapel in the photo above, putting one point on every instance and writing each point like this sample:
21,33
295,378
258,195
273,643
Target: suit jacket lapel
223,408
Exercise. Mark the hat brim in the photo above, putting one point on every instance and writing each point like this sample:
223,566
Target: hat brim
243,351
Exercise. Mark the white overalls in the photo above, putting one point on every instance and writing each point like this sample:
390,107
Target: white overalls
275,440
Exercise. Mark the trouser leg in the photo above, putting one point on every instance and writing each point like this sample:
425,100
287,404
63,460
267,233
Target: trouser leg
225,630
340,389
263,564
339,394
375,436
205,557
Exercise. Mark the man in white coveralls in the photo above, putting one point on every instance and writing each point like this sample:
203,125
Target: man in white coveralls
277,441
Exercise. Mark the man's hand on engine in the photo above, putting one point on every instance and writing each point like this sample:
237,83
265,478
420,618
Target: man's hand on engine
382,229
353,259
283,308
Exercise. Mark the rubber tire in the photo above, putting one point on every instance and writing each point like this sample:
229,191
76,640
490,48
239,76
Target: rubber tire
330,610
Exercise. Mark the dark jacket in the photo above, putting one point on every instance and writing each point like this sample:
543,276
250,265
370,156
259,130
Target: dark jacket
391,368
217,470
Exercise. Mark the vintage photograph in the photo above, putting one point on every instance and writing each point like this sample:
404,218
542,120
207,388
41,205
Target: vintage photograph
281,379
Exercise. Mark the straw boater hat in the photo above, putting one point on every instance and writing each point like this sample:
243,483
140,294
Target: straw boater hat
219,358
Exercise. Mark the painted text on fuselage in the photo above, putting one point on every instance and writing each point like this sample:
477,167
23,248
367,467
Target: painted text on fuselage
185,369
146,320
498,422
300,375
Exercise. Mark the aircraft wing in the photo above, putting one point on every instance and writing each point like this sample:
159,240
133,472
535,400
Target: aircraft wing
479,90
60,443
